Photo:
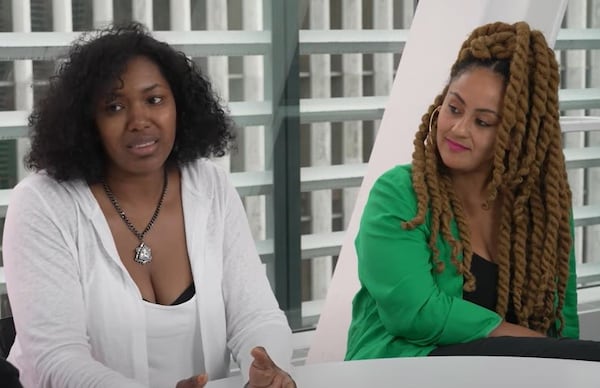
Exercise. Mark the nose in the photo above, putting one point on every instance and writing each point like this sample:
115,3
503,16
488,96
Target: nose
137,118
461,126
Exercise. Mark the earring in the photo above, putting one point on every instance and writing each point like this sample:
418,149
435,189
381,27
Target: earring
436,110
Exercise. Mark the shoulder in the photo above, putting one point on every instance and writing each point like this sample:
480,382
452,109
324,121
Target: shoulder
400,176
205,178
40,202
39,188
397,182
392,194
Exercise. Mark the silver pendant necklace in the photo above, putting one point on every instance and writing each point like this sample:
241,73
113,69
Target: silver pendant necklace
143,253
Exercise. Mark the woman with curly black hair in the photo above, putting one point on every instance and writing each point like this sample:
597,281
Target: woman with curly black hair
128,259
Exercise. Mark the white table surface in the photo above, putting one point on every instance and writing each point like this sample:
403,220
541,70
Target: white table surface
443,372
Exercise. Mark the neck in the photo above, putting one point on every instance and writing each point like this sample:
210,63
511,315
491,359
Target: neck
471,189
136,188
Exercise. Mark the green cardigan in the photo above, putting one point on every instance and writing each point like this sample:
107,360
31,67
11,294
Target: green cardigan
403,308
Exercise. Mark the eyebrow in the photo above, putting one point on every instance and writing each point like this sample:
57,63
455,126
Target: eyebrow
115,92
484,110
151,87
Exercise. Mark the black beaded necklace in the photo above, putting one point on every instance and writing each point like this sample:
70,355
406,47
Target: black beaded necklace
143,253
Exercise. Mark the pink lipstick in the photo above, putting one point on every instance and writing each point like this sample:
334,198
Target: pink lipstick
456,147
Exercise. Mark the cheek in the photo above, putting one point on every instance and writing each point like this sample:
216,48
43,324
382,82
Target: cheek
444,121
441,128
488,143
169,118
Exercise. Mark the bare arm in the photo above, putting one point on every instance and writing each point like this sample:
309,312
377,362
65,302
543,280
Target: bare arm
506,329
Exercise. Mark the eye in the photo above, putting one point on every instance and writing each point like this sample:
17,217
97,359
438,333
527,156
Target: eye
453,109
114,107
155,100
482,123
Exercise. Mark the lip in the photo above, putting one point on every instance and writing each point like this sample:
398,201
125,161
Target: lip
143,146
456,147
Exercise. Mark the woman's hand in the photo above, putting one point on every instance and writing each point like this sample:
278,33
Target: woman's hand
193,382
511,330
265,374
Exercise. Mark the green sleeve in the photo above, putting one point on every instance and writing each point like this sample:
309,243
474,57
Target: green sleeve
395,267
571,328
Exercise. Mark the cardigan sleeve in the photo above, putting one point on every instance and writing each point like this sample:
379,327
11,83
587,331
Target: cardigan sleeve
46,298
395,266
252,312
571,318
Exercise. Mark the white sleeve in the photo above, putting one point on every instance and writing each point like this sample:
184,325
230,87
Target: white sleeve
252,312
46,296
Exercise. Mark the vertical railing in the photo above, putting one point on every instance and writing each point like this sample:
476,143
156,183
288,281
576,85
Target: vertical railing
218,67
62,15
592,184
180,15
573,64
383,64
143,11
21,14
352,74
320,151
102,13
252,139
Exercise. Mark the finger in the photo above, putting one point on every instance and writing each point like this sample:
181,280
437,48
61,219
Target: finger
193,382
263,369
283,380
261,377
200,380
289,382
261,358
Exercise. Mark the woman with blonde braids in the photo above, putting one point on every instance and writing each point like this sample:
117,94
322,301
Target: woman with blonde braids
468,251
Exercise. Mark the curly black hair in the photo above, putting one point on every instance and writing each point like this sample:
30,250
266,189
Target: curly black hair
64,138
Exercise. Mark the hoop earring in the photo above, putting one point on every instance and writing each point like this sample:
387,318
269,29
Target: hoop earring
436,110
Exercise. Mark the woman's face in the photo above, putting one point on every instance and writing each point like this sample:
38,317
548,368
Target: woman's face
468,121
137,120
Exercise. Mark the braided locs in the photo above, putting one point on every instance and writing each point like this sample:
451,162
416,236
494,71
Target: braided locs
528,172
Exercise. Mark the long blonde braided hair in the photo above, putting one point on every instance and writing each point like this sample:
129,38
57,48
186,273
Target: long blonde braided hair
528,172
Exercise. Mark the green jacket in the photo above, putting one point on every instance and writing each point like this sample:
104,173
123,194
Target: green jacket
403,308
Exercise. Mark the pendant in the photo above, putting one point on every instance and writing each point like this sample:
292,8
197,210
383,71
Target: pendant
143,254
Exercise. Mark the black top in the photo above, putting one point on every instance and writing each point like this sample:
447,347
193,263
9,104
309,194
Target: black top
9,375
185,295
486,291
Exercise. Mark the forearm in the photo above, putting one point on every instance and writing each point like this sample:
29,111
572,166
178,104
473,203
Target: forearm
506,329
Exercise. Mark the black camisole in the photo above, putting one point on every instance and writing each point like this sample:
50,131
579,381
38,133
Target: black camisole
486,291
185,295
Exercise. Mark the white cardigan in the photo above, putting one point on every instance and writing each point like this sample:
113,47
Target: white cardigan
79,315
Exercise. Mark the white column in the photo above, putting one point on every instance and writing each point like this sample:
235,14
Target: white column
352,81
320,151
252,139
218,67
102,13
142,11
23,70
180,15
62,15
592,235
575,77
383,64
